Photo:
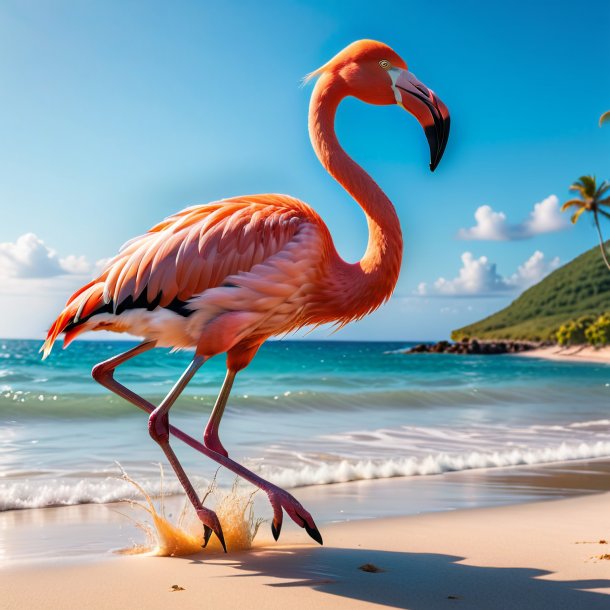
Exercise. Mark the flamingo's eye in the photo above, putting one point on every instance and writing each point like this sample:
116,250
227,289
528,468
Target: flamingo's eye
385,64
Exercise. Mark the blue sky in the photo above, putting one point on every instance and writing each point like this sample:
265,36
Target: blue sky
116,114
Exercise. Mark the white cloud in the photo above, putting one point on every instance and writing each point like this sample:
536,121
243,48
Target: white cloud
30,268
544,218
490,225
480,277
99,266
477,276
30,258
532,271
75,265
36,283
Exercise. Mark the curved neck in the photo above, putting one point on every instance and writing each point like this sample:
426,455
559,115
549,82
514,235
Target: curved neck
379,267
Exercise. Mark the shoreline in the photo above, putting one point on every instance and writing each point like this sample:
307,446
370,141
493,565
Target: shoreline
93,532
537,555
576,353
529,349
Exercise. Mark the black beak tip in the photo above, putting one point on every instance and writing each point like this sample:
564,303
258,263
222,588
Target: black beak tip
437,135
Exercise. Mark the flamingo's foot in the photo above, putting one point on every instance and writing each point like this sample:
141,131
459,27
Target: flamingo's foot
210,524
281,499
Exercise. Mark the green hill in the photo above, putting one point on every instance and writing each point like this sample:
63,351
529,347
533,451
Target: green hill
578,288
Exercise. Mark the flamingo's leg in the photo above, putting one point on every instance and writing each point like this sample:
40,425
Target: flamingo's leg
159,429
103,374
279,498
210,435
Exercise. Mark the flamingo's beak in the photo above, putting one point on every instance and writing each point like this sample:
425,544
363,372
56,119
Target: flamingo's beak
426,107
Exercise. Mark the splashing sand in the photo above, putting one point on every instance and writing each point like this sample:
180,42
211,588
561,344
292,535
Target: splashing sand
235,512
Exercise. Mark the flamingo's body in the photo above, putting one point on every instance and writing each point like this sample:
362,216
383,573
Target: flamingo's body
216,275
226,276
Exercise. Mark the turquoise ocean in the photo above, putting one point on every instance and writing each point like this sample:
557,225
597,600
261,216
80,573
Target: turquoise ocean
304,413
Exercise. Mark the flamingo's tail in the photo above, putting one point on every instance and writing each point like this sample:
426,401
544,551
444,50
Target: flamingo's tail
71,321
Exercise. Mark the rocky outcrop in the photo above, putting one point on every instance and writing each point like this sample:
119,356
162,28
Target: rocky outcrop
473,346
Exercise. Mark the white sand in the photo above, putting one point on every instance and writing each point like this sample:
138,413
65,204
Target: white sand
577,353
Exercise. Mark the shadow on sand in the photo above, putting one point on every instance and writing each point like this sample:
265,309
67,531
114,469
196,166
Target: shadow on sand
419,581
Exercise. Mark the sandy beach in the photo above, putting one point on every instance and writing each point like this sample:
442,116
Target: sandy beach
578,353
538,555
545,554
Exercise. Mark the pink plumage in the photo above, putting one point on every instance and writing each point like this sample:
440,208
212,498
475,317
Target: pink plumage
226,276
259,255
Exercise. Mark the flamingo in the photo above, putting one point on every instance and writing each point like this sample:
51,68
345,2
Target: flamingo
226,276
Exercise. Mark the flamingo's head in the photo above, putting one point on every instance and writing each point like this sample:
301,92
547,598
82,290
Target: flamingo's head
374,73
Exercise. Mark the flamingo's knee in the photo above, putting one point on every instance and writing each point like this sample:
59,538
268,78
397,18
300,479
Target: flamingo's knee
158,427
212,442
101,372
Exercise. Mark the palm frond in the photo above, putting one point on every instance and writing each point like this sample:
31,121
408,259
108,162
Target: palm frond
577,185
589,185
603,213
603,187
604,117
572,202
576,215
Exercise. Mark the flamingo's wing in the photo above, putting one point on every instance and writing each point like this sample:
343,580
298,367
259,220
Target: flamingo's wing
185,255
198,248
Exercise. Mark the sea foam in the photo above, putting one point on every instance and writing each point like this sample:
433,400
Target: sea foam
64,492
56,492
346,470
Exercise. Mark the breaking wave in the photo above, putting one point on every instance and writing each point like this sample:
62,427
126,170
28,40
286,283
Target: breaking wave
61,492
345,470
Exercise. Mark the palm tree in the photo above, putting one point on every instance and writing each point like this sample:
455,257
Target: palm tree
590,199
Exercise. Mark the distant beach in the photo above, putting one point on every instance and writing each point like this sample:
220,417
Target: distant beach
531,349
574,353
